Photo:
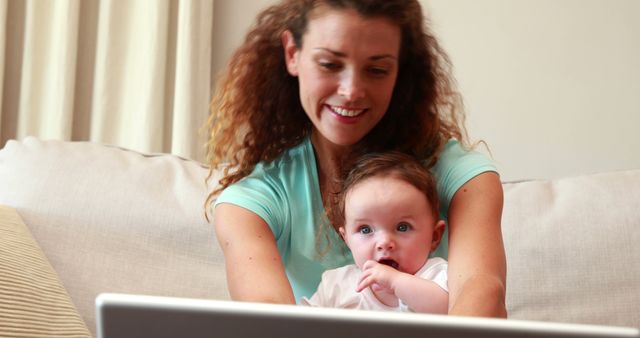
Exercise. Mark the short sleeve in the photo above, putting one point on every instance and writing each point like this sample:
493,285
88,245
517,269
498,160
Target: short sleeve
261,196
436,271
455,167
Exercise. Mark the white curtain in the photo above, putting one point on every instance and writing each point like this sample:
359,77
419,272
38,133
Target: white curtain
134,73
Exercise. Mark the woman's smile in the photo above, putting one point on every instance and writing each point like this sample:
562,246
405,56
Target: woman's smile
346,70
347,115
346,112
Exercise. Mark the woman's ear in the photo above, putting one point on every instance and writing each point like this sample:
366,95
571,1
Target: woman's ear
438,231
290,52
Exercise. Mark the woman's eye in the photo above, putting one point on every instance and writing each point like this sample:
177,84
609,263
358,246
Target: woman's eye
365,229
329,65
403,227
378,71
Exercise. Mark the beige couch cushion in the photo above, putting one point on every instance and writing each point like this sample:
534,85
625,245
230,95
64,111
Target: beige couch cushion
111,220
33,302
573,248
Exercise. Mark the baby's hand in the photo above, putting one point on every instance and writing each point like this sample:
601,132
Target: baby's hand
377,276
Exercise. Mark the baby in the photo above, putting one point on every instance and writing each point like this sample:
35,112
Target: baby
387,214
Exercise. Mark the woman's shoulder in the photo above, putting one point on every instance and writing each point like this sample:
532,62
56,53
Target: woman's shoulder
457,165
455,154
272,188
291,159
274,182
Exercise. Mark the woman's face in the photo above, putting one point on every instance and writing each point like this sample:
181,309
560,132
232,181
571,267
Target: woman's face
346,68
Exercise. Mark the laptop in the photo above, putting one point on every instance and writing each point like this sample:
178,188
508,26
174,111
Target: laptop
128,316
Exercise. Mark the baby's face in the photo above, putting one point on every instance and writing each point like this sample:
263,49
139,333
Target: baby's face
388,220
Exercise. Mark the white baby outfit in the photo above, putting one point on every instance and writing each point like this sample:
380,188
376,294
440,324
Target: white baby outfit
338,288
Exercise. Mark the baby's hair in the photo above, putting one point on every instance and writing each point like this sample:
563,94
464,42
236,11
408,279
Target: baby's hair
389,164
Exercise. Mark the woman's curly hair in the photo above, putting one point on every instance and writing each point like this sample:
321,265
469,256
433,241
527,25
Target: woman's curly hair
256,113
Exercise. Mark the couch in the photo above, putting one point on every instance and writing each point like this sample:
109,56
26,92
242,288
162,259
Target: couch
81,218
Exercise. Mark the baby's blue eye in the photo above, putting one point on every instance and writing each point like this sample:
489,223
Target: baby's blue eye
403,227
365,229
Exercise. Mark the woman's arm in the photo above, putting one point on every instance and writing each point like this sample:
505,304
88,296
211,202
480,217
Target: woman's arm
477,262
254,268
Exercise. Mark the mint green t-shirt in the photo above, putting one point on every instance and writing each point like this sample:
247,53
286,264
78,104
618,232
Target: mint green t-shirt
286,195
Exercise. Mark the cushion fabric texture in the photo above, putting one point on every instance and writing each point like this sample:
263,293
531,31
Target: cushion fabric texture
33,302
572,249
113,220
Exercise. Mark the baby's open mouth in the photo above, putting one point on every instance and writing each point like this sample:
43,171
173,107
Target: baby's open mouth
389,262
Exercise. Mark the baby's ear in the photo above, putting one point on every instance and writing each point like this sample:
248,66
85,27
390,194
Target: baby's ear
438,231
342,233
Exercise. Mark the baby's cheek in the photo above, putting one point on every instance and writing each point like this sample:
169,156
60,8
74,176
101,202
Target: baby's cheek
360,259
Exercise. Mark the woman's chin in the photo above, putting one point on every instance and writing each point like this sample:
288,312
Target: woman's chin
337,139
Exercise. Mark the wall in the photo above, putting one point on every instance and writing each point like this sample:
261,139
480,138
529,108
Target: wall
552,86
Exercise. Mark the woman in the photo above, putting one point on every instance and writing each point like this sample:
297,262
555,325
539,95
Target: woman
315,84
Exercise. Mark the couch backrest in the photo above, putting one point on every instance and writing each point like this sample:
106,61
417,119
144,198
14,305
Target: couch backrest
113,220
572,248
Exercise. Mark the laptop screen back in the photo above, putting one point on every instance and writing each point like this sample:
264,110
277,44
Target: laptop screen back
125,316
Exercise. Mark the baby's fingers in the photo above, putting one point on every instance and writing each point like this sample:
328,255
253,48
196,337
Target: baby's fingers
365,281
369,264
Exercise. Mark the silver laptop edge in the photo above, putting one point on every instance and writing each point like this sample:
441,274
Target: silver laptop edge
344,315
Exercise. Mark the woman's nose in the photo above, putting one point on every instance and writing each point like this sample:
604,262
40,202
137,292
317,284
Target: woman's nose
351,87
